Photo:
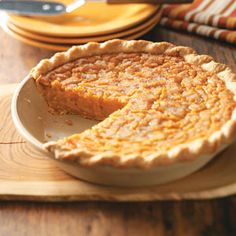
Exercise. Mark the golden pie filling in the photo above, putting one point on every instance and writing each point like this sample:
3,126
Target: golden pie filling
147,103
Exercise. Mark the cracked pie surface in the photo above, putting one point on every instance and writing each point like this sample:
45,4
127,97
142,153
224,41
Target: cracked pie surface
158,103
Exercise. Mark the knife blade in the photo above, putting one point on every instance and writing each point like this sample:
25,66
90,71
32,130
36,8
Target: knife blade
32,7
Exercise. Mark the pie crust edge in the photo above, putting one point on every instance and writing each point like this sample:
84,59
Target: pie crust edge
182,152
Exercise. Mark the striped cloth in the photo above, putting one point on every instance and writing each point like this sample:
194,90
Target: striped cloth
211,18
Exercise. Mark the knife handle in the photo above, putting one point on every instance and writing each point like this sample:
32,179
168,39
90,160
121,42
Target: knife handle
149,1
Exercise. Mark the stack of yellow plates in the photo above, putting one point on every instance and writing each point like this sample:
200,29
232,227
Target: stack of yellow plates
95,22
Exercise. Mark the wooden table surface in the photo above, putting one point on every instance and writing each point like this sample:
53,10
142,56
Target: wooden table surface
212,217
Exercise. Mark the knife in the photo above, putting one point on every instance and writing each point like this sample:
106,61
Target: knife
47,8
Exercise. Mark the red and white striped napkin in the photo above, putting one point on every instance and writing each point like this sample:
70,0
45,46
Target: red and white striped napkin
211,18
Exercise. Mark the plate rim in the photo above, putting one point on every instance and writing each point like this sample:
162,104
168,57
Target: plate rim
25,23
60,47
153,19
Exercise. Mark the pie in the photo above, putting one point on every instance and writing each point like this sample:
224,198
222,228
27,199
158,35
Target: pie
158,103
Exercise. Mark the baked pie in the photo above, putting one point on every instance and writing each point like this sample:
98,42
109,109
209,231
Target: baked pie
158,103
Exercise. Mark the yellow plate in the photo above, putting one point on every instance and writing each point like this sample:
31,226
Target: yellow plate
152,20
89,20
60,47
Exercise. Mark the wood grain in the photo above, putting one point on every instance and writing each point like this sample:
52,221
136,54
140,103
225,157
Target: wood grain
16,58
201,218
26,173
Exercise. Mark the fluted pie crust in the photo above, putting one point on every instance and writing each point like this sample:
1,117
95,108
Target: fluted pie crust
160,103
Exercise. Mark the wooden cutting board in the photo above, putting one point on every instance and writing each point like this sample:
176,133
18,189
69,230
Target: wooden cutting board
26,174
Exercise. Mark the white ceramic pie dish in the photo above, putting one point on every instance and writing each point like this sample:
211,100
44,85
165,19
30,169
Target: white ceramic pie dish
34,122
